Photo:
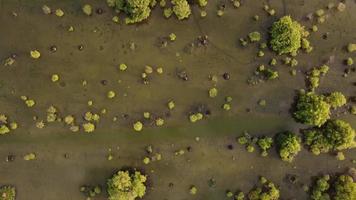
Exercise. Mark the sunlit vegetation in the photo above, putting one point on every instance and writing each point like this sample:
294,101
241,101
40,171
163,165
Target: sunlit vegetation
125,185
264,143
288,145
313,77
5,125
91,191
181,9
334,135
7,193
286,36
266,191
341,187
336,99
312,109
136,10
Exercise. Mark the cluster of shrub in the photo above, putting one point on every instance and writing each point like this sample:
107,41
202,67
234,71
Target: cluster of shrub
140,10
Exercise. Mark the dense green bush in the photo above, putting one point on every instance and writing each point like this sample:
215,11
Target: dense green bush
268,191
334,135
136,10
312,109
7,193
343,188
336,99
286,35
288,145
320,188
126,186
181,9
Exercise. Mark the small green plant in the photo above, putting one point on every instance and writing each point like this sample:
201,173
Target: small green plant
7,193
265,143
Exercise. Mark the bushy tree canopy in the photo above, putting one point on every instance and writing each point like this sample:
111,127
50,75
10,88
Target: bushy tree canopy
334,135
286,35
288,145
137,10
268,191
342,188
319,191
126,186
312,109
345,188
181,9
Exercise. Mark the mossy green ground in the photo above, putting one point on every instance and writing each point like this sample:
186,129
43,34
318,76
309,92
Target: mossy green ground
106,45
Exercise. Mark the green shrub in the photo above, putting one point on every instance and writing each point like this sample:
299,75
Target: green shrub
288,145
334,135
319,191
286,35
7,193
268,191
336,99
181,9
312,109
136,10
202,3
265,143
342,188
345,188
314,76
254,36
126,186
